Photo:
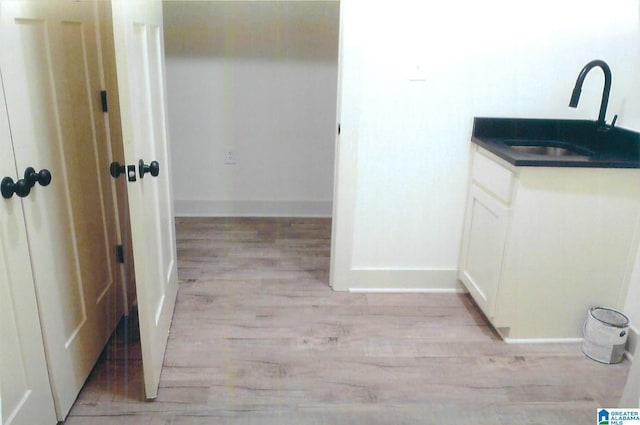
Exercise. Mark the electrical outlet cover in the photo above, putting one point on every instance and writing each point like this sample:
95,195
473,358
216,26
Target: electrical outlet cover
230,158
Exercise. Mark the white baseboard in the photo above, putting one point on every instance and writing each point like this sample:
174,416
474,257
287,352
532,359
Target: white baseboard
393,280
632,341
198,208
542,340
406,290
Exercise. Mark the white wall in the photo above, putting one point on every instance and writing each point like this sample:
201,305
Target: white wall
259,79
399,211
632,305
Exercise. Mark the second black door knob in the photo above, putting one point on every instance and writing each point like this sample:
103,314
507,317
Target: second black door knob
32,177
153,168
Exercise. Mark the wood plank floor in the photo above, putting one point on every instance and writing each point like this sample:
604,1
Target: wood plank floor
258,337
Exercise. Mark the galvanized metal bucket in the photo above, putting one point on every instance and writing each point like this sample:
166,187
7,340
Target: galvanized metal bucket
605,335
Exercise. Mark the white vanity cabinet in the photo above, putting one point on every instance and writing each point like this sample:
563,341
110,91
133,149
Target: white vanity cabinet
541,245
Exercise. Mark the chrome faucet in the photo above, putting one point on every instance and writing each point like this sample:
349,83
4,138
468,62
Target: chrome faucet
575,96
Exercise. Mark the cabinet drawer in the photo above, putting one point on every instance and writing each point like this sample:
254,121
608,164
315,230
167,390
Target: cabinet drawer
492,176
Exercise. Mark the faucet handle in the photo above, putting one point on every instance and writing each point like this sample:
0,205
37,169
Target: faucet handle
604,127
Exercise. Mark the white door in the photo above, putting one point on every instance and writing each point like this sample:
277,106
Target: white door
25,392
139,49
49,58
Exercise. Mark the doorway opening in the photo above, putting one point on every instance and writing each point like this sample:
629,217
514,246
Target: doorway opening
252,89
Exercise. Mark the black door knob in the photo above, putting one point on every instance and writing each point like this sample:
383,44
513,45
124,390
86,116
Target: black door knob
31,177
8,187
115,169
153,168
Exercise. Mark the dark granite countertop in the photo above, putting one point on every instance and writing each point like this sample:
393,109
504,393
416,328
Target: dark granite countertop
616,148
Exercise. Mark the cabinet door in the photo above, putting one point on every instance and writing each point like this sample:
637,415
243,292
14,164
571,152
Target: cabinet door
25,395
484,234
50,64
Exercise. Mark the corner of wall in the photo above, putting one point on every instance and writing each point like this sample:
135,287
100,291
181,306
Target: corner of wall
632,343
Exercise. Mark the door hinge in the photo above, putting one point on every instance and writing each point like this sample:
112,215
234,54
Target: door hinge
103,99
120,254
